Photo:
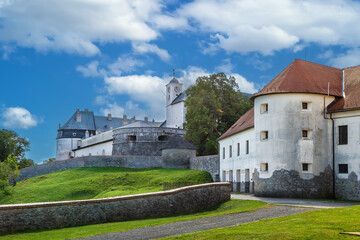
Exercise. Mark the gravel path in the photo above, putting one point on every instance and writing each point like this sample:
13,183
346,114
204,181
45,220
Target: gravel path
183,227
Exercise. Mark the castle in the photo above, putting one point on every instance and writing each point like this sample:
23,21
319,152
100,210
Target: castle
85,134
301,138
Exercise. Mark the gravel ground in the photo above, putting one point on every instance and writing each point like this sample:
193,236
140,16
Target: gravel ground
184,227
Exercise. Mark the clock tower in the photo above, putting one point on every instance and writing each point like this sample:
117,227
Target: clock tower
175,110
173,89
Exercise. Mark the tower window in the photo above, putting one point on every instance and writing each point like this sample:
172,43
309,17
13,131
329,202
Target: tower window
264,135
238,149
74,134
306,106
264,108
230,151
223,153
306,167
264,167
132,138
306,134
343,168
247,146
343,135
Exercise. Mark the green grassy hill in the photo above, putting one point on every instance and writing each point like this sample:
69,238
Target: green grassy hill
98,182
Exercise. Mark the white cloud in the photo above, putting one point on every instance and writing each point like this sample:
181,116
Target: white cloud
225,67
114,109
259,64
91,70
75,26
349,59
244,85
18,117
266,26
151,48
124,64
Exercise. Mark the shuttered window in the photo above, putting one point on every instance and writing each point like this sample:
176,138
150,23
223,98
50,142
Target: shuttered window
343,135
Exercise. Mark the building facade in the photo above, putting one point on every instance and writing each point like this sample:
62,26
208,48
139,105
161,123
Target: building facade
86,134
301,138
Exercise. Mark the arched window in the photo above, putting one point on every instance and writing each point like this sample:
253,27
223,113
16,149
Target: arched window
163,138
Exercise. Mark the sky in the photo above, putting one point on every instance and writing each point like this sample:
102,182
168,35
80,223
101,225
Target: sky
116,56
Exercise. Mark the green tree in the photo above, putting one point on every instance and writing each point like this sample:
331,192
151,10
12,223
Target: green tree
13,167
23,163
4,175
12,144
50,160
213,104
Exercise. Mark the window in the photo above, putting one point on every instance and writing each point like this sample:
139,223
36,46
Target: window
306,134
238,149
264,135
132,138
264,167
247,146
74,134
306,167
306,106
230,151
230,176
162,138
264,108
224,176
223,153
343,135
343,168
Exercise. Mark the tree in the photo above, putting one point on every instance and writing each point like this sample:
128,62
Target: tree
213,104
23,163
50,160
4,175
12,144
13,167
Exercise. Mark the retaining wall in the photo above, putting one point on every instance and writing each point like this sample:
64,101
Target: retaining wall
209,164
82,212
92,161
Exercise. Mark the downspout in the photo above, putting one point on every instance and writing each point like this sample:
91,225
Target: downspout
333,153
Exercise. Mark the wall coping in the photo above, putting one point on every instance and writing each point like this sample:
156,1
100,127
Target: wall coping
110,199
205,156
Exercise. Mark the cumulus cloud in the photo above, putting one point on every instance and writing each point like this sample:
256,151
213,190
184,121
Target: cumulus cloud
349,59
266,26
112,108
90,70
18,117
151,48
75,26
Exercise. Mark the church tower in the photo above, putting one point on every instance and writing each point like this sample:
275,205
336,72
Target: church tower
174,110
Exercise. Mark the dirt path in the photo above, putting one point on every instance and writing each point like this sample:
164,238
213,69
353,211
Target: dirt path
183,227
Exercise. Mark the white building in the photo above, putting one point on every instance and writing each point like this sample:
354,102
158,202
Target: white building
301,138
85,134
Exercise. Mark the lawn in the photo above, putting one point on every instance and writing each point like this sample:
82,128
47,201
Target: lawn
98,182
322,224
228,207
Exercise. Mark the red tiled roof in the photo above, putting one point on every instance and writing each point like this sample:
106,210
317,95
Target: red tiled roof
246,121
352,91
305,77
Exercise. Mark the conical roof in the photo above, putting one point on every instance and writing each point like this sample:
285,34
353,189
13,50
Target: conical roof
178,142
174,80
305,77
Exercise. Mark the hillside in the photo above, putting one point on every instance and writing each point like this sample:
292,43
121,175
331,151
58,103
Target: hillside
98,182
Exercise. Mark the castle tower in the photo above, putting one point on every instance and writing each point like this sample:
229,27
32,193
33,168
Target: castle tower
175,110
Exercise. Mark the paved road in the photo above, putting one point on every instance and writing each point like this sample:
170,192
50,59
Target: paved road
296,202
184,227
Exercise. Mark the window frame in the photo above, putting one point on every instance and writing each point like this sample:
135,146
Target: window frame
343,136
341,169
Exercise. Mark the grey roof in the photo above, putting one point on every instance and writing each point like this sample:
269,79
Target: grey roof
86,123
178,142
91,122
174,80
104,124
163,124
180,98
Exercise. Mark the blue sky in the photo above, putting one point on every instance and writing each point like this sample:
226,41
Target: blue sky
116,56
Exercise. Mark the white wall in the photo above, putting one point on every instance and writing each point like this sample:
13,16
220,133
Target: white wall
349,153
64,146
241,162
175,116
284,121
100,144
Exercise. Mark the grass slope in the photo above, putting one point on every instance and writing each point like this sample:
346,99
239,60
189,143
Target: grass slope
98,182
323,224
228,207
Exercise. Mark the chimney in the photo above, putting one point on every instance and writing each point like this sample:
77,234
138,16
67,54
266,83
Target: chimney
86,110
109,117
124,119
133,119
86,134
78,116
153,120
146,119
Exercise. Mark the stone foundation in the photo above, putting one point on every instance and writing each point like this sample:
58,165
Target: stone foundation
209,164
284,183
348,188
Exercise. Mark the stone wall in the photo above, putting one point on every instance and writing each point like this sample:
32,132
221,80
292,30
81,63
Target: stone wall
82,212
209,164
348,188
284,183
92,161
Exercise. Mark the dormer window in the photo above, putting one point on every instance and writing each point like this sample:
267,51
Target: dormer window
264,108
